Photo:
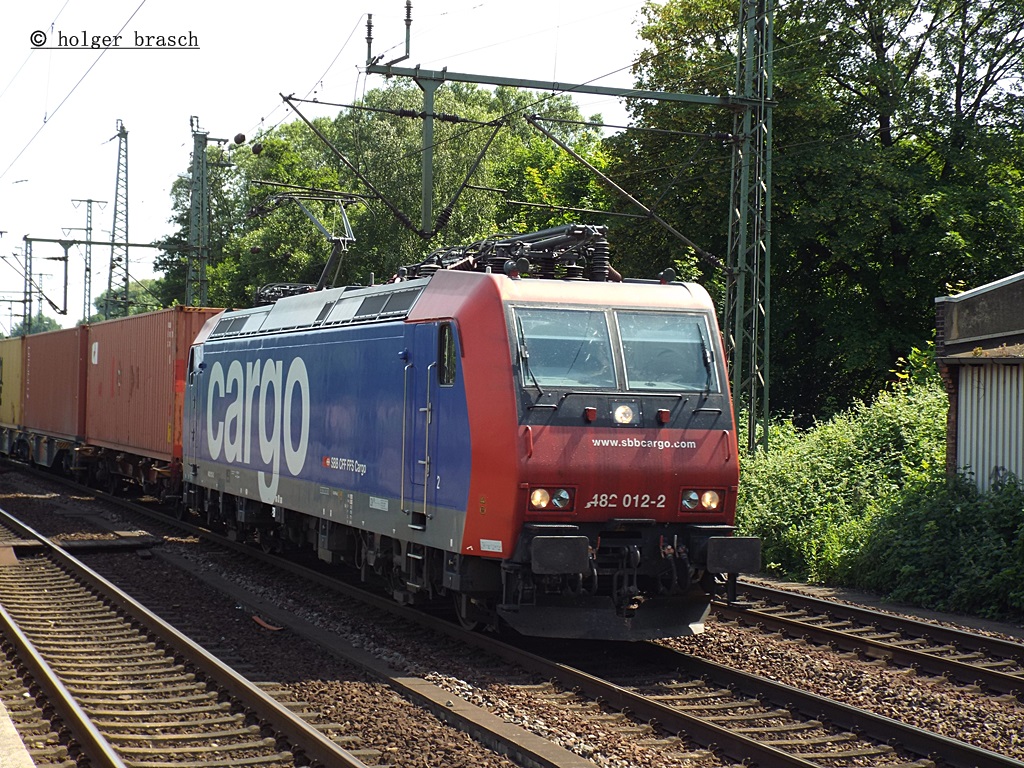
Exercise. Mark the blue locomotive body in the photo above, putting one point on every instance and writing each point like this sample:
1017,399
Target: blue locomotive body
341,421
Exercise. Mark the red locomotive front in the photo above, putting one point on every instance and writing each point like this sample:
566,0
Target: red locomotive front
605,467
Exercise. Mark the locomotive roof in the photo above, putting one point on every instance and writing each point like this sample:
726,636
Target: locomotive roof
440,296
450,291
321,309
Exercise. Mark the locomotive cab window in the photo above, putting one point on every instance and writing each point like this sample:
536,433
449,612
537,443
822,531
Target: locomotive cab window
195,359
564,347
446,356
667,351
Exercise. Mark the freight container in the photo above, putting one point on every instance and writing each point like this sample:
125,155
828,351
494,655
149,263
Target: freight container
53,405
12,366
136,380
54,383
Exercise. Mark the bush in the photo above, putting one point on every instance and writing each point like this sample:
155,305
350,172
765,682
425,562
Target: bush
951,548
811,498
862,500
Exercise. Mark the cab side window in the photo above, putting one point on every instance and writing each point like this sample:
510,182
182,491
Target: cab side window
446,356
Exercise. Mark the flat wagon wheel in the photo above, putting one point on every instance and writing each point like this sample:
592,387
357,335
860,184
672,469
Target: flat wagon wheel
113,483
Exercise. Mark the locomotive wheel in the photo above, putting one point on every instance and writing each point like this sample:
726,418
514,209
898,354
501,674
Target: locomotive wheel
463,611
213,521
269,540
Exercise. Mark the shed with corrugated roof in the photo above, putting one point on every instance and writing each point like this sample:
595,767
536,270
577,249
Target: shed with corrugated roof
980,351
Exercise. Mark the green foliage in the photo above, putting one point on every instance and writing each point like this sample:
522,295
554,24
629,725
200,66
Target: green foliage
538,172
948,547
141,298
40,324
227,217
814,496
897,169
259,236
863,501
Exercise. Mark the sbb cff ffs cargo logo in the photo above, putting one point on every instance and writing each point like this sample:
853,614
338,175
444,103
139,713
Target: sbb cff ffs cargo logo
264,383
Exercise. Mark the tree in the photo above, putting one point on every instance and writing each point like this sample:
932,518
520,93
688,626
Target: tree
225,220
40,324
141,298
489,153
897,171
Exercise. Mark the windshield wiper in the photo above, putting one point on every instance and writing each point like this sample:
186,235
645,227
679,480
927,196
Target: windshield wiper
705,354
524,355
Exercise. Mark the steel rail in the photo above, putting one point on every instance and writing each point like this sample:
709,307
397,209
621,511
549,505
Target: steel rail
100,752
304,738
920,659
1006,648
523,746
702,731
717,738
943,750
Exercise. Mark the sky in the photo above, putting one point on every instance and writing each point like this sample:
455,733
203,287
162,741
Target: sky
60,100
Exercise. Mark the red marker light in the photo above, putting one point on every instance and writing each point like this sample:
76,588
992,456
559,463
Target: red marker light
664,415
590,413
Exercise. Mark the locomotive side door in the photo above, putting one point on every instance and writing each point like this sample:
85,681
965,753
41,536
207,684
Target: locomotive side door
419,425
191,425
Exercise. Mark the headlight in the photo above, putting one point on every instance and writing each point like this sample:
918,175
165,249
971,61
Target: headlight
542,498
561,498
624,414
707,501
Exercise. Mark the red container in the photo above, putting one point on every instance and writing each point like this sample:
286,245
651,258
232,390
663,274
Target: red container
136,380
54,383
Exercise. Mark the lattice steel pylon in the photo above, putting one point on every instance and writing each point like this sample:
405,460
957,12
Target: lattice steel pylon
746,313
116,303
26,322
199,221
747,310
87,287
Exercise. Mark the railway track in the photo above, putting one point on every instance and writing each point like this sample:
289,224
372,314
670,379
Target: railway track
993,664
39,730
504,738
130,688
744,716
670,702
8,536
671,706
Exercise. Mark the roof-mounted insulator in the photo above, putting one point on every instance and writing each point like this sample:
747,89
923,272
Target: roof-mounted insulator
514,268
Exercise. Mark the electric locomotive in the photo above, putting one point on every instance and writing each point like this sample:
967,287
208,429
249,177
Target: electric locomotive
556,453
